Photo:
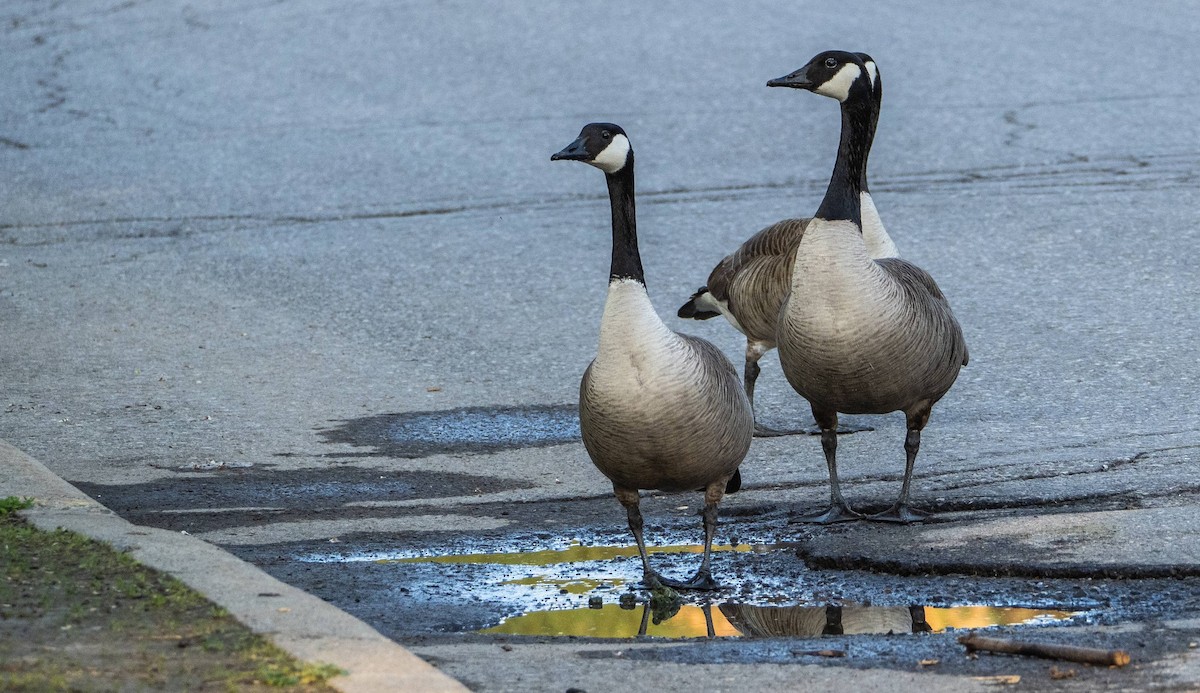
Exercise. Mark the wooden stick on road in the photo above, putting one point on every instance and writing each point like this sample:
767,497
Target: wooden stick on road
1070,653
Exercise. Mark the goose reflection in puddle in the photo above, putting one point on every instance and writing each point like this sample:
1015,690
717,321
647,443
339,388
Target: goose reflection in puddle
815,621
672,619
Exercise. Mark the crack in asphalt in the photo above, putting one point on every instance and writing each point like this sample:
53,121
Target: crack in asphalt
1097,468
1082,444
906,568
270,219
601,503
13,143
1113,172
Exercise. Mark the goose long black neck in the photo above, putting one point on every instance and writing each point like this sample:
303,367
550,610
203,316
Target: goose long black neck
842,197
626,260
876,102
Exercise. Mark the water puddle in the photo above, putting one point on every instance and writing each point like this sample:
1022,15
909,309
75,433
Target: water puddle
588,591
469,429
575,552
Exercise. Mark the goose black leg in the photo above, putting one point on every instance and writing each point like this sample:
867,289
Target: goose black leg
629,499
901,511
703,579
833,621
754,352
919,625
838,510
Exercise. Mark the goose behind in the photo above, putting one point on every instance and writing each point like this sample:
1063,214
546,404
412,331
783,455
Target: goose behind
859,335
748,286
657,409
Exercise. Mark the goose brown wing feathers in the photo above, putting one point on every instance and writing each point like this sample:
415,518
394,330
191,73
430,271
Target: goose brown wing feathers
922,290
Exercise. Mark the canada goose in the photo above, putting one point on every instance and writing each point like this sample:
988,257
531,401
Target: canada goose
748,286
657,409
859,335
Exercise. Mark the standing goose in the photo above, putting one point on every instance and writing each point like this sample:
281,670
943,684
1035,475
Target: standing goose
657,409
749,285
859,335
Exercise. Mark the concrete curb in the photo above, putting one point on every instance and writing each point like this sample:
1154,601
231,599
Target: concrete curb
304,626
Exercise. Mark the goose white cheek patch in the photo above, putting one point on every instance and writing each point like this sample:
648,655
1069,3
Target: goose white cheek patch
838,86
612,159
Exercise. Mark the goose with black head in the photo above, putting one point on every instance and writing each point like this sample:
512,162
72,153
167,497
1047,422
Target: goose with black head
657,409
748,286
856,334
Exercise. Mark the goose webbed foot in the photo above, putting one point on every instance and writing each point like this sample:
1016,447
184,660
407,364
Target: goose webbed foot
834,514
702,580
653,580
901,513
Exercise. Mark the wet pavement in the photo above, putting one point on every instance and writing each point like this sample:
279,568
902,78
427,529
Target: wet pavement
792,595
298,279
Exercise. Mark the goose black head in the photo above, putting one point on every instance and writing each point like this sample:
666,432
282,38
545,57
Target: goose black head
603,145
836,74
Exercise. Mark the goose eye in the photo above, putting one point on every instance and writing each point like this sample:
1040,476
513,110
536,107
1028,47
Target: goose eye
606,134
830,62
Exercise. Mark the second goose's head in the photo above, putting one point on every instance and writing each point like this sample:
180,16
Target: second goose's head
836,74
603,145
872,69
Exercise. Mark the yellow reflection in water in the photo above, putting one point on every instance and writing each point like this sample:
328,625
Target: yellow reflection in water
614,622
576,586
574,553
983,616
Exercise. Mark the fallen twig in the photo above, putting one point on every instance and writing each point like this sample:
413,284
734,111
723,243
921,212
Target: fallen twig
1070,653
1000,680
819,653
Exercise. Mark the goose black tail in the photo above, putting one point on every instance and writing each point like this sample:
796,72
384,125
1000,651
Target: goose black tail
735,482
733,485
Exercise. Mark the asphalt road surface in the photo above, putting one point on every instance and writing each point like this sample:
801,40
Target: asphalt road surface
293,275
